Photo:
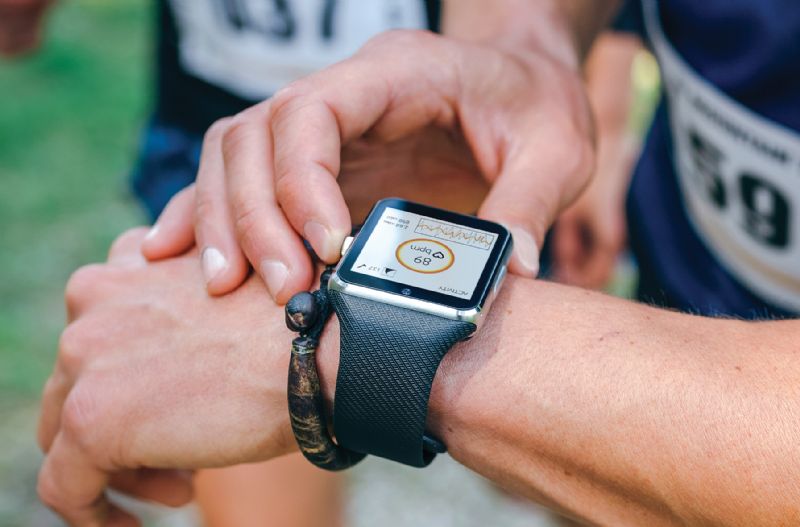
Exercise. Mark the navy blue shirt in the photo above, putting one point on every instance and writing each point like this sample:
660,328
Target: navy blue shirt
751,51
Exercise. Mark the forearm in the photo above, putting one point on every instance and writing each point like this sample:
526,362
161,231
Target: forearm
608,80
610,90
623,414
566,28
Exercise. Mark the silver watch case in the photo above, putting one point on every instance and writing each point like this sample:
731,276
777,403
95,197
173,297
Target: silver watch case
475,315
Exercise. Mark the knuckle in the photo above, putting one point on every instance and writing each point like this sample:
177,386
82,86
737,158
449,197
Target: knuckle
81,283
129,238
216,131
559,124
289,94
235,137
72,346
204,205
47,489
247,221
287,190
576,155
82,416
288,101
283,98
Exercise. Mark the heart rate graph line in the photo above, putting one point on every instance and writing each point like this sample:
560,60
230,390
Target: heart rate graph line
456,234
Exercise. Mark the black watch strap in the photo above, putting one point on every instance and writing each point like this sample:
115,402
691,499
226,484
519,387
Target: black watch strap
388,358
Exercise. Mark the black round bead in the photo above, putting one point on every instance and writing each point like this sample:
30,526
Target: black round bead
302,312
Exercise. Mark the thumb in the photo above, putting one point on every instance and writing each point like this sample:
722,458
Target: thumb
526,207
538,178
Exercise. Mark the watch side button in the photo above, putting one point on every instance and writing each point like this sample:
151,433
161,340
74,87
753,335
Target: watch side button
501,275
346,244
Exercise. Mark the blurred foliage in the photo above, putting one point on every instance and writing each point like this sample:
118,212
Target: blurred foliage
646,82
69,120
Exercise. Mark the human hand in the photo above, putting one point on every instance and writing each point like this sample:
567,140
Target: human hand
20,25
268,176
155,377
590,235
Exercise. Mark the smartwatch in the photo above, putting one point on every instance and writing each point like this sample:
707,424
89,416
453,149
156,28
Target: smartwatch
413,282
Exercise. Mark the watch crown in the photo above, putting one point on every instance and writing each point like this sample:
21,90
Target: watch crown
346,244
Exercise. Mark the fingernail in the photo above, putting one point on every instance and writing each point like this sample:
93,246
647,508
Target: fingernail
213,263
320,239
152,233
526,250
274,274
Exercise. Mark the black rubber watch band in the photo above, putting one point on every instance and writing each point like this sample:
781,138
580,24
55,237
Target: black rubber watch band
388,358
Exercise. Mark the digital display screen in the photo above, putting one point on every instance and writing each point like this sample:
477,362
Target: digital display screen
425,252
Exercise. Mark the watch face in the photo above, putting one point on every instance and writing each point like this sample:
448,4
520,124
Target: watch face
426,253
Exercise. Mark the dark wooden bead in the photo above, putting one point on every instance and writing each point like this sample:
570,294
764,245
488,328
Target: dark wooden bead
302,312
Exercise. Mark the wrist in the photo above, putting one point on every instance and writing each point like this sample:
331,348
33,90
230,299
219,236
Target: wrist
456,393
549,32
544,28
328,362
449,402
564,30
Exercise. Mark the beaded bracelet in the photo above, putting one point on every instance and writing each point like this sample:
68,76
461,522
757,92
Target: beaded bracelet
307,313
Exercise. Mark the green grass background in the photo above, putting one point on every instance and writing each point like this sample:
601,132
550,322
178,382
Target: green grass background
69,120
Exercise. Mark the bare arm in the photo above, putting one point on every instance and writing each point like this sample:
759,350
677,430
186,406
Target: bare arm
590,235
567,28
614,412
622,414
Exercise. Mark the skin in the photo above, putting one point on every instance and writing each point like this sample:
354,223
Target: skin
284,491
224,496
648,417
20,25
510,94
591,233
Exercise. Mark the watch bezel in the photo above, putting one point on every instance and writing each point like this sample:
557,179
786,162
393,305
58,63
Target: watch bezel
412,297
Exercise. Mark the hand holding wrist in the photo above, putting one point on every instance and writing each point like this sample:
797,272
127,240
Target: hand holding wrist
154,373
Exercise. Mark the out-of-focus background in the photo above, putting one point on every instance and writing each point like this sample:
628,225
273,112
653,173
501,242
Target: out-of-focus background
70,116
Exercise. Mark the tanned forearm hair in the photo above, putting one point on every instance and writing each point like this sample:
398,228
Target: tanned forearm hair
618,413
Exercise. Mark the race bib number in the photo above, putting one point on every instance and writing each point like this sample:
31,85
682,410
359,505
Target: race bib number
254,47
740,177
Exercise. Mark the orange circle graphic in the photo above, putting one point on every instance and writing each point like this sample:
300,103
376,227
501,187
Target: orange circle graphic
440,244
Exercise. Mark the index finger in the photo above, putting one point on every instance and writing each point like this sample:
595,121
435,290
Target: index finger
312,119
